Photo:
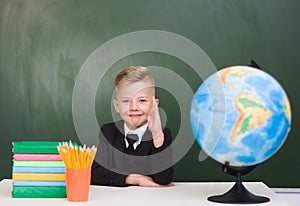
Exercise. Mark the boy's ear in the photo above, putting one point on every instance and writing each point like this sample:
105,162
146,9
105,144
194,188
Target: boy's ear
115,102
157,101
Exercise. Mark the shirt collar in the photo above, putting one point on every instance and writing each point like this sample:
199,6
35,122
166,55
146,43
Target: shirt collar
139,131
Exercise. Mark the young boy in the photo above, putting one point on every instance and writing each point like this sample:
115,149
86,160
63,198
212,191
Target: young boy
134,150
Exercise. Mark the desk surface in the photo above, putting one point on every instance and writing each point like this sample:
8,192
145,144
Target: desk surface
181,194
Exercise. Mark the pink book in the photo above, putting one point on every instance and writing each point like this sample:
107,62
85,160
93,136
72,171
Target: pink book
46,157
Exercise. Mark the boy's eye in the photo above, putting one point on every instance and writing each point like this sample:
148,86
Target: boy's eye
143,100
125,101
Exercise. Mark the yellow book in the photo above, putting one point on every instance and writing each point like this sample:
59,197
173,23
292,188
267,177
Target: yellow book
38,176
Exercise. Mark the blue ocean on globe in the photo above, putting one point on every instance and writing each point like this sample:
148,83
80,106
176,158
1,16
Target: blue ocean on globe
240,115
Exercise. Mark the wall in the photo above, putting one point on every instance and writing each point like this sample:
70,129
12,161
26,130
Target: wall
43,45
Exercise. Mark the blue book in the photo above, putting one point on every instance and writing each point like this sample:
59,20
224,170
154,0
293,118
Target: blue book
60,170
38,183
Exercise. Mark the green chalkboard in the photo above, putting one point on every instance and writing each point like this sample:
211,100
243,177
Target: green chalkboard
45,46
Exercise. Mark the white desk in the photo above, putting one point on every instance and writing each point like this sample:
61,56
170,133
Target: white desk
182,194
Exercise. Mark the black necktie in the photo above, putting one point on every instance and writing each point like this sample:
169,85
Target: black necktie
131,139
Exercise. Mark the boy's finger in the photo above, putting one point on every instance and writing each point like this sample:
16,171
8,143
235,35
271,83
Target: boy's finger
153,102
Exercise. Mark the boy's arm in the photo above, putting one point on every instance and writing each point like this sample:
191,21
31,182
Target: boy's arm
154,124
163,161
162,158
100,174
141,180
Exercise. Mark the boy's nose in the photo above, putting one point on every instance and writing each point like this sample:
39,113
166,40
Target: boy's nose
133,105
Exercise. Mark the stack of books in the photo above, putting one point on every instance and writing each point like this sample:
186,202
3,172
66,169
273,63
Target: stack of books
38,170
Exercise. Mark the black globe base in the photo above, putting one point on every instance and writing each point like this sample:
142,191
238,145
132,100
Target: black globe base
238,194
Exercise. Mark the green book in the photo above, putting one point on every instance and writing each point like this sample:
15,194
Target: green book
39,192
20,163
35,147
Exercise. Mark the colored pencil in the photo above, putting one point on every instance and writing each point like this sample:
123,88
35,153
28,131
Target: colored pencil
76,157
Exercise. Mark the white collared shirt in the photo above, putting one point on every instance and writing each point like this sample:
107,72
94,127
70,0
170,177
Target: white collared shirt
139,131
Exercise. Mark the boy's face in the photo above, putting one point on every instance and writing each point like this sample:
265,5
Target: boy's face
134,102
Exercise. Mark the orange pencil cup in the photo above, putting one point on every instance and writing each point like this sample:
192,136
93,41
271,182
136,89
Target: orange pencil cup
78,184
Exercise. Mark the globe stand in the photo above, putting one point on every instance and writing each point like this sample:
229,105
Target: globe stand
238,194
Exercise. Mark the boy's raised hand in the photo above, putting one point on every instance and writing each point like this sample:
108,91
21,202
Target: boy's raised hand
154,124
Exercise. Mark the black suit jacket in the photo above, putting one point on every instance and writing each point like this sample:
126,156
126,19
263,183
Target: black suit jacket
112,164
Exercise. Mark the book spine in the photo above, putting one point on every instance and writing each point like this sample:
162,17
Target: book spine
38,163
39,169
35,150
38,183
33,157
39,192
38,176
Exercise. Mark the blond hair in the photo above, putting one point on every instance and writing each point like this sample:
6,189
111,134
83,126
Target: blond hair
133,74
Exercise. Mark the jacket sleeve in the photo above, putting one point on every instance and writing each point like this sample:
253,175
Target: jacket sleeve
102,168
162,161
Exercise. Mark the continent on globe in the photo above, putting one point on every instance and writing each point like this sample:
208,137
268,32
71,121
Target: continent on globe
251,114
231,71
287,108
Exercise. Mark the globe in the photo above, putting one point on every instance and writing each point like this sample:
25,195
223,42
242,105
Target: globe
240,115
